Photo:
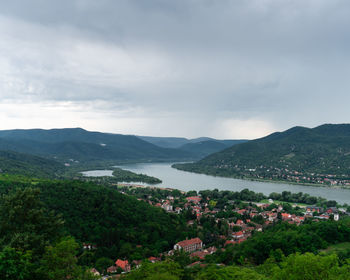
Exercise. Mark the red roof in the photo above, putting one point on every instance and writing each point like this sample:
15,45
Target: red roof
122,264
194,198
229,242
199,254
189,242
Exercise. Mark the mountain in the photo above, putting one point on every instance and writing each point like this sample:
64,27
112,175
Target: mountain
204,148
315,155
198,147
86,146
29,165
165,142
179,142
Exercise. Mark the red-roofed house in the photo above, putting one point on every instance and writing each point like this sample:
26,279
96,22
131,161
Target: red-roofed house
228,242
286,216
238,234
153,259
199,254
112,269
189,245
124,265
194,199
242,211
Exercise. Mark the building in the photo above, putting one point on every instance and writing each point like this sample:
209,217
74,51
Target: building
124,265
189,245
314,209
194,199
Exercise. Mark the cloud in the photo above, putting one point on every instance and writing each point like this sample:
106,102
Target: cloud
183,68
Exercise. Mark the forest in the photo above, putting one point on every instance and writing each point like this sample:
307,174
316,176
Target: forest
44,225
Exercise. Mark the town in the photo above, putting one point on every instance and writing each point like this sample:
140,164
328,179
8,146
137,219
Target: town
222,219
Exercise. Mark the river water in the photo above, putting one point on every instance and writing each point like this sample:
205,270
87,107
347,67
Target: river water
182,180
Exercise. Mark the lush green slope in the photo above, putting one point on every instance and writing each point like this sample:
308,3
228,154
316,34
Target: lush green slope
28,165
298,152
120,225
82,145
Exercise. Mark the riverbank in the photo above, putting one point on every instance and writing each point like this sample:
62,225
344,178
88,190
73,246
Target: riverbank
247,178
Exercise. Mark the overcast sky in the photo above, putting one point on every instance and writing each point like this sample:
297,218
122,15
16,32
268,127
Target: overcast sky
225,69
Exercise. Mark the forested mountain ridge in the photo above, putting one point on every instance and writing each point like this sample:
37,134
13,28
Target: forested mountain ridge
198,147
309,155
179,142
82,145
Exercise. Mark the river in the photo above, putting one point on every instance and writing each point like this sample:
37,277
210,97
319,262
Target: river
182,180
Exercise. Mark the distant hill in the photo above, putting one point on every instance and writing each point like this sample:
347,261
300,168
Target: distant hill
179,142
204,148
317,155
198,147
29,165
165,142
82,145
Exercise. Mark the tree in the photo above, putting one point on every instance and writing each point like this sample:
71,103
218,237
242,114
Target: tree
15,264
60,262
231,272
25,224
102,264
311,267
166,270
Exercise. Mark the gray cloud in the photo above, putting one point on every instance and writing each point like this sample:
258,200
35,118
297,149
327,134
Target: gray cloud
218,68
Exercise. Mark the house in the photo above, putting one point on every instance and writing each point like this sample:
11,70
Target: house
314,209
112,269
94,272
189,245
167,207
238,235
332,210
199,254
286,216
88,246
194,199
124,265
153,259
228,242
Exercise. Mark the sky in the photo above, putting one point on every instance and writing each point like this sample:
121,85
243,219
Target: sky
189,68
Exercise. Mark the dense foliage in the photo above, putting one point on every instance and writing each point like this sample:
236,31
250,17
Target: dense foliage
297,266
29,165
128,176
33,245
119,225
287,239
298,154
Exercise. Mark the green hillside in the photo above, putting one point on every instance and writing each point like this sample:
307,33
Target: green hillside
29,165
85,146
318,155
119,225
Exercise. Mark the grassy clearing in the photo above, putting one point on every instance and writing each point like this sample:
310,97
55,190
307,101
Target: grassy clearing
334,249
302,205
